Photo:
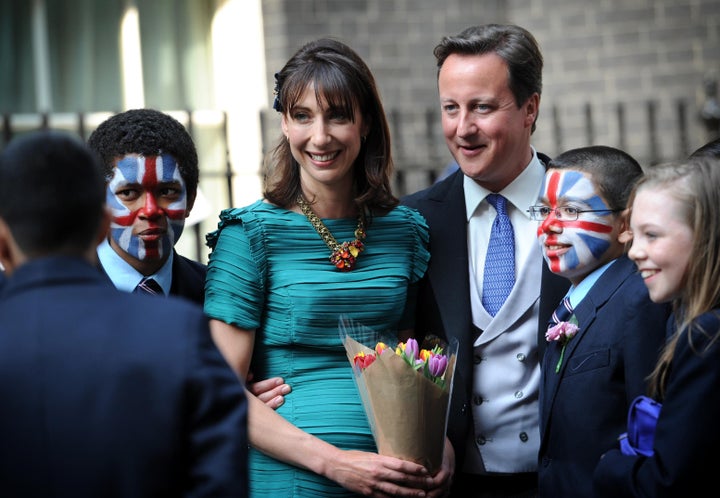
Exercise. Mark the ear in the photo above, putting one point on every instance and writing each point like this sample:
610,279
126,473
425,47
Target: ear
190,203
367,122
532,106
10,254
625,235
104,228
284,124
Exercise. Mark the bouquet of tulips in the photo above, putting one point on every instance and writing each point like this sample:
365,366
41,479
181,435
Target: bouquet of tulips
405,390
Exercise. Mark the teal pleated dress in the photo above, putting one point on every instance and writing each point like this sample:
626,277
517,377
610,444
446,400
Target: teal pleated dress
269,270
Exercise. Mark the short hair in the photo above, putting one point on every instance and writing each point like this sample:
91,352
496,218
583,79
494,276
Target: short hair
613,171
341,78
513,44
52,193
710,149
147,132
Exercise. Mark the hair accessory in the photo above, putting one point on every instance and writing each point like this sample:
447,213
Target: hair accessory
344,256
276,103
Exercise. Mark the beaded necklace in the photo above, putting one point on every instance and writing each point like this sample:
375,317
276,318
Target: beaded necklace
343,256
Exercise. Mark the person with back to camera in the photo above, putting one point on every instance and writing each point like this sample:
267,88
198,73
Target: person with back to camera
489,84
97,399
591,376
327,239
675,211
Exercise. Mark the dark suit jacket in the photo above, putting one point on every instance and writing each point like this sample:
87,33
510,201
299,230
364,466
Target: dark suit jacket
100,401
188,279
583,407
443,305
687,436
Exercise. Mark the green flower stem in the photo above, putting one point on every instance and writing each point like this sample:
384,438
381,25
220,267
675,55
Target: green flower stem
562,353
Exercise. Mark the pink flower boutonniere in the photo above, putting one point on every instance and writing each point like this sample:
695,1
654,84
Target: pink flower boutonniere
563,332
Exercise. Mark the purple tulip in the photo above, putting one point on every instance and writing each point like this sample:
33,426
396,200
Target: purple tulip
437,364
411,350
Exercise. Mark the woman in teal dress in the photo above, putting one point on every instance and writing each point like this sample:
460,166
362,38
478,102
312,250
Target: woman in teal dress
328,239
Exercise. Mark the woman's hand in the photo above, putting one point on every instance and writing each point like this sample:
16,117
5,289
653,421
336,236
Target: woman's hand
443,478
370,474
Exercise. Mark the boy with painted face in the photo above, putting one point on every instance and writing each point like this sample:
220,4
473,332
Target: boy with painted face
151,167
590,378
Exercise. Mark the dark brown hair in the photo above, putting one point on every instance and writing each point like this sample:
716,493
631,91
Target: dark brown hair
342,80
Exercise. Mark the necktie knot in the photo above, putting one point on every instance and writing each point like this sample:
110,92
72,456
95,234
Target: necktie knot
149,286
499,203
562,313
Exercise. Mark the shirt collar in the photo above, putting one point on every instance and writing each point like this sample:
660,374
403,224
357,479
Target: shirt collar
523,192
577,293
124,276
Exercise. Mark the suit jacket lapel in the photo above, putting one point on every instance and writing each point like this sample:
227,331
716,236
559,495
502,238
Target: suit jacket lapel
585,312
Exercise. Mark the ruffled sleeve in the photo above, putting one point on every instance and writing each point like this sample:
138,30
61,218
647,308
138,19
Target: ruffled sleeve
237,269
421,256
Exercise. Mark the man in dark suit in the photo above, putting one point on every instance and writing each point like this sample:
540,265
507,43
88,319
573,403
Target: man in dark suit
590,379
489,83
97,399
151,169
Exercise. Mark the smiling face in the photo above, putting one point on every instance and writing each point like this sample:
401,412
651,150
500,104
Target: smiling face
575,248
662,242
486,132
324,141
149,204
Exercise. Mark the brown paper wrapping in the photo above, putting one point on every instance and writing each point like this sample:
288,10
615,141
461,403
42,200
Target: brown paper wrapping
407,411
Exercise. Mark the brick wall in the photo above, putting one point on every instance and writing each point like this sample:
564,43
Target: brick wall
649,55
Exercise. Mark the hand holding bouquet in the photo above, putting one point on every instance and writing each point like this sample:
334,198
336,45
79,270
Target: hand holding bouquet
405,391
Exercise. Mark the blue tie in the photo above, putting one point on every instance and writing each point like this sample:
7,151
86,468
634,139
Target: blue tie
499,273
562,313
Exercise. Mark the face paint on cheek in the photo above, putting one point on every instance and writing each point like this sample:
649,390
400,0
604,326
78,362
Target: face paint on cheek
176,212
146,171
121,226
584,241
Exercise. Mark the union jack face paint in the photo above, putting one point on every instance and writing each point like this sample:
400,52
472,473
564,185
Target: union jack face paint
573,247
148,200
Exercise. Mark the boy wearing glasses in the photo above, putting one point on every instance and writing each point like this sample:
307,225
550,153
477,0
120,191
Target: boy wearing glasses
590,378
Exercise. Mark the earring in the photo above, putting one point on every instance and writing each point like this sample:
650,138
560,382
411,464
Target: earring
287,138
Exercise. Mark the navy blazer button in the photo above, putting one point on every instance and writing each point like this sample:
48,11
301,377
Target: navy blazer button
523,437
481,440
477,359
477,399
520,357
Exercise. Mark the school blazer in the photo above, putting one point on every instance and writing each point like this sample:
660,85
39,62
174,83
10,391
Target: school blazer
584,405
100,400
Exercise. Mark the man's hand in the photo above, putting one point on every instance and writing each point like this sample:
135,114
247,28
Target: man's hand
270,391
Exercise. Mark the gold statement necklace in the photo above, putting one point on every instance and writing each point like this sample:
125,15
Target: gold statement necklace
343,256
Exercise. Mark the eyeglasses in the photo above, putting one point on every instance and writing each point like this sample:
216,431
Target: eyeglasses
563,213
